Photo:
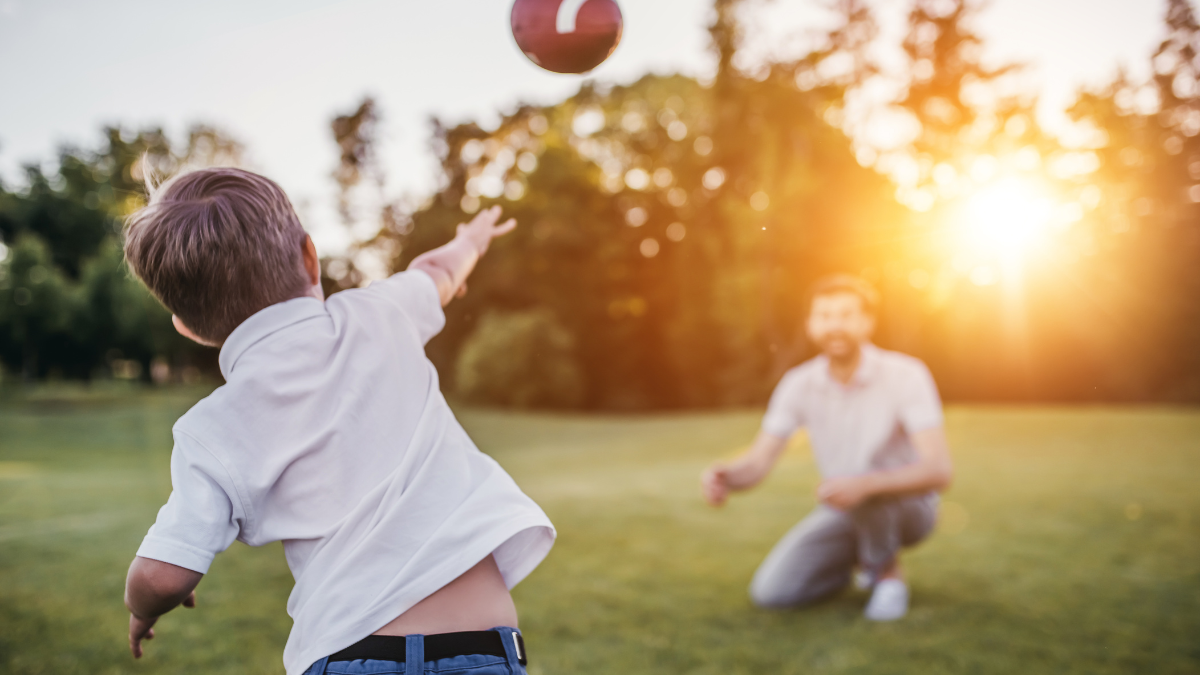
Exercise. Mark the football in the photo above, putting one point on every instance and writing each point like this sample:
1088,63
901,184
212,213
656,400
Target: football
567,36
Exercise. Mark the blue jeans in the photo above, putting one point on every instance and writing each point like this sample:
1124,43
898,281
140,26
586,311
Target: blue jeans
415,663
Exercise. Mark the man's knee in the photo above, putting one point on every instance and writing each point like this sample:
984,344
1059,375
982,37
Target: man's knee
919,520
799,590
812,561
768,596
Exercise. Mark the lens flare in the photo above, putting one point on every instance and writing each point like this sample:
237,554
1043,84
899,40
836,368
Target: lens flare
1008,216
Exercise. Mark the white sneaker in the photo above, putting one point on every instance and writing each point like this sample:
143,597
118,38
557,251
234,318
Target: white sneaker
863,580
889,601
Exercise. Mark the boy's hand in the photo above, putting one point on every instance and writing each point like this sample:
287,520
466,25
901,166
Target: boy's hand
152,589
450,265
143,629
482,229
140,629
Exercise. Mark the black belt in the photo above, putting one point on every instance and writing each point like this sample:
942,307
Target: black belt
440,646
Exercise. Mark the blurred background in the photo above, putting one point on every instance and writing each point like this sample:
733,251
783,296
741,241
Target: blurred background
1020,180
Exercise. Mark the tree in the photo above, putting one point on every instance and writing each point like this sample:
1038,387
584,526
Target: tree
520,359
670,228
68,306
36,305
1145,240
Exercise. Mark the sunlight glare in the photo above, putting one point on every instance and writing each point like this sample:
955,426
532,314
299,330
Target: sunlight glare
1008,216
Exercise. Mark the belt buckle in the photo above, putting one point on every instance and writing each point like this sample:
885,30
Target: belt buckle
519,644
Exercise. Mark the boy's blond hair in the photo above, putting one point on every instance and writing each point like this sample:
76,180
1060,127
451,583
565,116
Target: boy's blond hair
217,245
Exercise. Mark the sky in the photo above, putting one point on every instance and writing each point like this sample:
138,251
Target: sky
273,73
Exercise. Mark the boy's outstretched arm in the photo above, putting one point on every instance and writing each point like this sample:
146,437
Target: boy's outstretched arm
450,265
152,589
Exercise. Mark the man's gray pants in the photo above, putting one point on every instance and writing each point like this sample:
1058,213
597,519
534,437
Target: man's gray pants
816,557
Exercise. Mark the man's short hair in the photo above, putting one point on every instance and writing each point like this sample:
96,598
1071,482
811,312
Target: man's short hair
217,245
846,283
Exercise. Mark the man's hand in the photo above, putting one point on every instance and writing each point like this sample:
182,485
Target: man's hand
844,493
483,229
742,472
932,471
714,484
143,629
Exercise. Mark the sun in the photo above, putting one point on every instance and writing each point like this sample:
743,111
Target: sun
1007,217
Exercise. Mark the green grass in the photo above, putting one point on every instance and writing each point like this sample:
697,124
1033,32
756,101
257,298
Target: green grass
1070,544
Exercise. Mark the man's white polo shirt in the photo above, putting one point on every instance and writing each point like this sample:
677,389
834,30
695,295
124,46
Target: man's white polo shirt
332,436
863,425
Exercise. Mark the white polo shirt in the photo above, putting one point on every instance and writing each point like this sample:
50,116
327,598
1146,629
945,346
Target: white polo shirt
863,425
332,436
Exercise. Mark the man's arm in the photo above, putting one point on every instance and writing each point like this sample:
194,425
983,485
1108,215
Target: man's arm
451,264
933,470
743,472
152,589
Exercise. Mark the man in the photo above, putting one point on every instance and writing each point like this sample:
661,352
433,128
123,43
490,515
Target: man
874,420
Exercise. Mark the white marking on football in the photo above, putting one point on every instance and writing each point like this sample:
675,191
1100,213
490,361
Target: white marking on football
567,13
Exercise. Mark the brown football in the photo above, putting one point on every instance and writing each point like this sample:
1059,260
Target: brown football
567,36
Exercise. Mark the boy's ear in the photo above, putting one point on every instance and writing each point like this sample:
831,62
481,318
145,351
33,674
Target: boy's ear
187,333
312,263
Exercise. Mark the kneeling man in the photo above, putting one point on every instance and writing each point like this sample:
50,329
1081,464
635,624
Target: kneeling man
874,420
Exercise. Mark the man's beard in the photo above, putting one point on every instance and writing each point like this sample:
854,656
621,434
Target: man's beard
839,339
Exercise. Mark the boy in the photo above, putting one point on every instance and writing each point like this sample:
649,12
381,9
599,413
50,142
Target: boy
875,423
331,435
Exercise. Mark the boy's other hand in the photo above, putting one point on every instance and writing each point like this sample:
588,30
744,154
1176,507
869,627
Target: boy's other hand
483,228
140,629
143,629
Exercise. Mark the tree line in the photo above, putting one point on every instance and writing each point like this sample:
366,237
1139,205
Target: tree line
670,229
68,306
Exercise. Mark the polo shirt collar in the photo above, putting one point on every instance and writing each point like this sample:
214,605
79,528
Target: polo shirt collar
263,323
868,366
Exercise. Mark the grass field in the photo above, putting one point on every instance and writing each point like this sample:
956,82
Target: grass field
1070,543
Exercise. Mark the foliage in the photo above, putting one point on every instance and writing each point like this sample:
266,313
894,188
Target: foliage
947,78
36,304
1145,238
521,359
1100,305
672,226
68,306
669,226
982,317
356,140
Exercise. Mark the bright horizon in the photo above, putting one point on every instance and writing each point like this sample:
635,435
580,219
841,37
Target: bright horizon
274,75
